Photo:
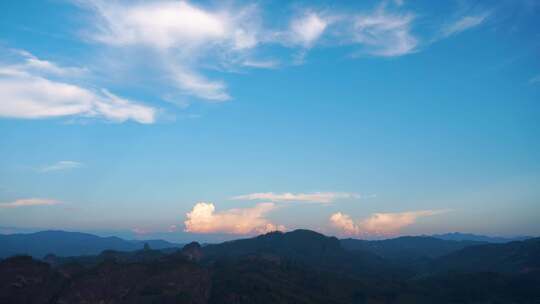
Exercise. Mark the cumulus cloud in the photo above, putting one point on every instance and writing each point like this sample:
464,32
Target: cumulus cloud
385,34
203,218
379,223
344,222
316,197
61,165
464,23
30,90
30,202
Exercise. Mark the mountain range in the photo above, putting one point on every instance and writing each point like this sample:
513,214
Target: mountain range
300,266
64,243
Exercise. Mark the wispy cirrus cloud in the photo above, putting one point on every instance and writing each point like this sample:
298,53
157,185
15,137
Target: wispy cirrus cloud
184,39
61,165
383,224
204,218
306,29
35,89
535,80
181,38
464,23
189,45
384,33
315,197
28,202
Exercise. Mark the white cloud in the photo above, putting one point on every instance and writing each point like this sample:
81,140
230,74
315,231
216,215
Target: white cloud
261,64
204,219
464,23
344,222
379,223
62,165
385,34
160,24
201,87
36,65
307,29
30,202
181,38
316,197
30,90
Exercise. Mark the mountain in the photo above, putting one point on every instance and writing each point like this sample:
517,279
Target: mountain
458,236
309,248
272,268
62,243
514,257
408,247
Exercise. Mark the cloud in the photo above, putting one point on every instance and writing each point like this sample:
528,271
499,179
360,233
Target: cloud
30,202
385,34
62,165
261,64
180,38
316,197
306,29
535,80
161,24
379,223
30,90
344,222
204,219
464,23
201,87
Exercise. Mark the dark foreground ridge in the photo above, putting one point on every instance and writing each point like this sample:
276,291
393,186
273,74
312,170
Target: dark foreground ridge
301,266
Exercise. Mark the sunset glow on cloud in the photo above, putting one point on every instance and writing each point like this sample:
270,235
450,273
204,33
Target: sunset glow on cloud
204,219
383,224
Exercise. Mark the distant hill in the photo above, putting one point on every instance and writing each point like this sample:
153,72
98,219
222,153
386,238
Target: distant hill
62,243
408,247
458,236
513,257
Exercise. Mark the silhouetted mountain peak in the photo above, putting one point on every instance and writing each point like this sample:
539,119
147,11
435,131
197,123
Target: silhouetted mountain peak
192,251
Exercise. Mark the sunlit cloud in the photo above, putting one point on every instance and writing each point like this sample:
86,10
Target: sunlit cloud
34,88
28,202
61,165
203,218
379,223
463,24
315,197
345,223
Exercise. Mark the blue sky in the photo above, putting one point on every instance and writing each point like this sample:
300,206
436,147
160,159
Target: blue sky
222,119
